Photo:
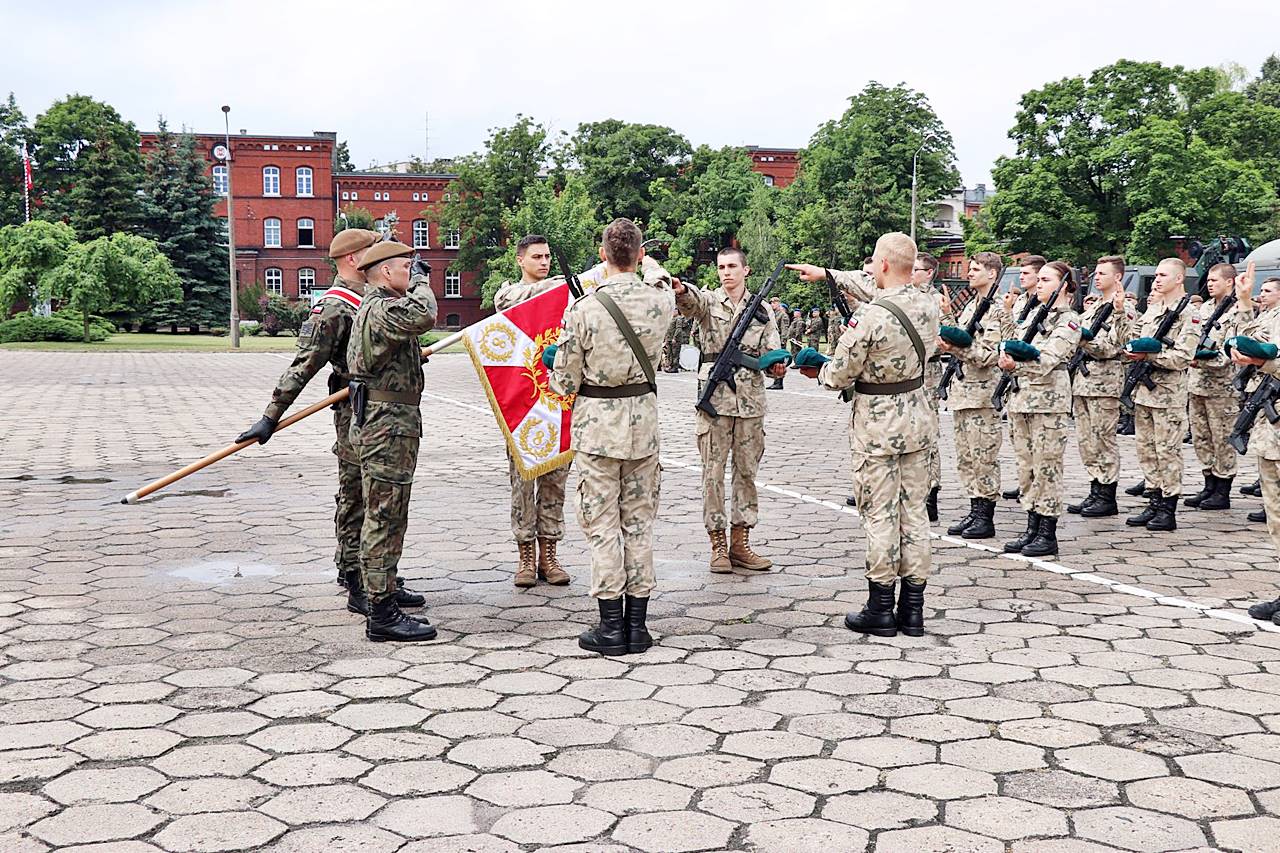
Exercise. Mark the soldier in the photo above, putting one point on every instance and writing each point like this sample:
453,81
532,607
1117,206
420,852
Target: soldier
611,338
1264,311
1040,405
1096,397
1212,402
922,276
671,348
835,323
795,337
386,423
1017,302
978,433
537,506
883,353
781,315
813,328
1160,414
739,430
322,340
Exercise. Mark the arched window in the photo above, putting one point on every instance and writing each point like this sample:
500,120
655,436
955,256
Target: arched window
220,180
271,233
421,234
304,176
306,281
271,180
273,278
306,233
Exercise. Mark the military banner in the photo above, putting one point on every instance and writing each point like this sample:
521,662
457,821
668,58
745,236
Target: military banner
507,352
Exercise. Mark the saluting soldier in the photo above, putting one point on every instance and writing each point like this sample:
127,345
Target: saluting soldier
322,340
882,354
612,337
537,506
386,424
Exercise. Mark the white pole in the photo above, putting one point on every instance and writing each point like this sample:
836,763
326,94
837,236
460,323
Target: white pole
231,236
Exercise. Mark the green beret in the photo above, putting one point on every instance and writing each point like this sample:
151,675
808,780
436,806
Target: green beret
955,336
809,357
549,355
1021,351
1253,348
774,356
1203,354
1144,345
1086,334
384,251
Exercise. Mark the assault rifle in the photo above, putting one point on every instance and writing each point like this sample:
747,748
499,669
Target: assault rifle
837,298
1037,324
1140,373
1263,399
955,370
1077,362
1227,305
575,285
731,356
1243,377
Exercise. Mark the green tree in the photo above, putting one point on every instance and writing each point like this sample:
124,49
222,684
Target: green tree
707,215
121,273
620,162
1265,88
13,129
29,253
977,232
353,217
107,196
179,216
342,158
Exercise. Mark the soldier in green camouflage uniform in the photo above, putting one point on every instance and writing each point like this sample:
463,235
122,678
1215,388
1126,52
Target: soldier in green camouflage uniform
323,340
813,329
615,432
386,359
782,318
671,348
835,325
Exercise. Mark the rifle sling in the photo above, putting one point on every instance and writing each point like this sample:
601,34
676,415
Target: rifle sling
629,335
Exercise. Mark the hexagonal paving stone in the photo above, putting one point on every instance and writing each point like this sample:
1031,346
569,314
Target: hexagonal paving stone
222,759
524,788
1109,762
547,825
376,716
427,817
117,785
664,741
300,737
87,824
218,831
706,771
600,765
804,835
633,796
937,727
1254,835
941,781
352,838
755,802
326,804
886,752
499,753
879,810
128,716
396,746
1240,771
1006,818
569,732
311,768
193,796
1189,798
771,744
824,775
401,778
1049,732
993,755
935,839
302,703
1060,788
1136,829
218,724
475,843
18,810
673,832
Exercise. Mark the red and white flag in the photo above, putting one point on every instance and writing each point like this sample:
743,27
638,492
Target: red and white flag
507,352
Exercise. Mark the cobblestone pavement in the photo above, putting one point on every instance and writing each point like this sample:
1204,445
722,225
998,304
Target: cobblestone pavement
181,675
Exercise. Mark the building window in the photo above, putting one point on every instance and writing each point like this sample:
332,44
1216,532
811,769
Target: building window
415,196
304,175
220,180
355,196
453,321
381,227
452,238
421,234
768,180
345,195
271,180
307,233
306,281
452,284
271,233
273,278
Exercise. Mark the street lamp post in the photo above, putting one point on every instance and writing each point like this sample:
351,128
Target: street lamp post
231,235
914,159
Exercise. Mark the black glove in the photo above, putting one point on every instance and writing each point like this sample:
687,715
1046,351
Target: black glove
261,430
420,267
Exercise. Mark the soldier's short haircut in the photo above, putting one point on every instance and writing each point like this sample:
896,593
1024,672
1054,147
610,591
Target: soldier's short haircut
1034,261
527,241
868,259
989,260
733,250
1177,263
1272,280
1116,262
1063,269
898,249
928,260
1224,271
622,241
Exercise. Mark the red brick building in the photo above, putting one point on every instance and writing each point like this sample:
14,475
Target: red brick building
778,165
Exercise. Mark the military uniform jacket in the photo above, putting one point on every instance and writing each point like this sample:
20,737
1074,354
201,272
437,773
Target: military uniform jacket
512,293
979,358
1043,385
835,325
813,331
715,313
1211,377
1170,375
875,348
385,354
855,283
1106,364
1264,438
321,340
784,325
592,351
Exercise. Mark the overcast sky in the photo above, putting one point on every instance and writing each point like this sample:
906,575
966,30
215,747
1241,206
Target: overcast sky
721,73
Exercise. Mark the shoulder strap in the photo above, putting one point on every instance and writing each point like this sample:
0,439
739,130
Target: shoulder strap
910,329
629,335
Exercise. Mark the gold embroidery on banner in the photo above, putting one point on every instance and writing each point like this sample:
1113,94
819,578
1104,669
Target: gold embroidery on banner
536,372
497,342
539,438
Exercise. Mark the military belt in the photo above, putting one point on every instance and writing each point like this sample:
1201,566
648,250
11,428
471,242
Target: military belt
710,357
404,398
615,392
889,387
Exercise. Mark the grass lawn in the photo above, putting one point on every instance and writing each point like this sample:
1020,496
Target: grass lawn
141,342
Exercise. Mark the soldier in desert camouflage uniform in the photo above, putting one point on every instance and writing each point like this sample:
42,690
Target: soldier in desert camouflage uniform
615,432
1040,406
883,353
740,427
923,273
537,505
386,426
1017,302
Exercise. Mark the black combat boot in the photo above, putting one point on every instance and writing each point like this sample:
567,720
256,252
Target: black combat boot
910,616
638,638
1148,512
1221,497
387,622
610,636
876,617
851,501
1210,485
1265,611
1124,425
342,577
356,600
777,385
1137,490
960,526
983,525
1103,504
1166,515
931,505
1011,494
1045,543
409,598
1254,489
1260,515
1024,539
1076,509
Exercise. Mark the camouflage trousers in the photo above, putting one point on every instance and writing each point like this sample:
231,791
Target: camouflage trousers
387,463
1159,434
537,506
670,355
1096,419
1269,474
978,439
617,504
717,438
1211,421
348,517
1039,441
932,379
891,492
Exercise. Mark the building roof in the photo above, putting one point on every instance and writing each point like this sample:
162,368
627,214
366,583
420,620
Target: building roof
437,176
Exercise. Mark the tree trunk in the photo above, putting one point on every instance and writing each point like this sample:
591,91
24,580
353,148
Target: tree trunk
86,327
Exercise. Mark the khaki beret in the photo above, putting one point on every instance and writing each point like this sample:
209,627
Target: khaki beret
352,240
384,251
